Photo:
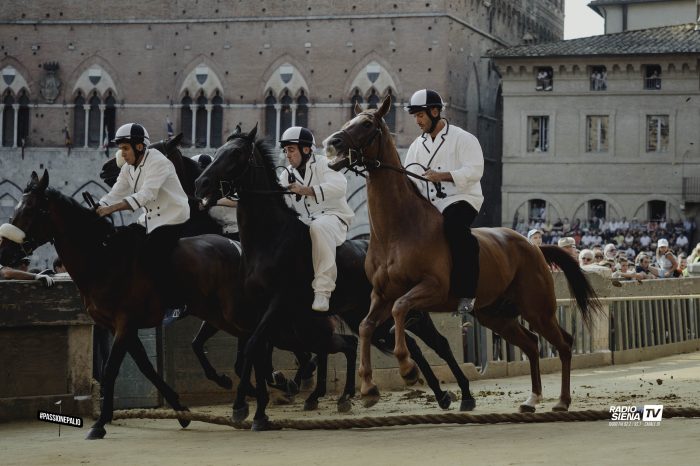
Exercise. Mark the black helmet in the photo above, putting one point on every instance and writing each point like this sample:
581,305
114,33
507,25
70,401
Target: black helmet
132,133
423,100
203,160
297,135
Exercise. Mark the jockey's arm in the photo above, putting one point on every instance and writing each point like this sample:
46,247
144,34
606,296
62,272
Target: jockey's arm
472,159
333,184
110,209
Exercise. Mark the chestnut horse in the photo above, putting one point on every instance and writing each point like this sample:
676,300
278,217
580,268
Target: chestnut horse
409,263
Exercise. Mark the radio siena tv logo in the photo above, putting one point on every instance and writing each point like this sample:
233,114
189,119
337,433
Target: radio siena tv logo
632,416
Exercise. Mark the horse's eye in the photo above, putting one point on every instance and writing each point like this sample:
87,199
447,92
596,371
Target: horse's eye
367,124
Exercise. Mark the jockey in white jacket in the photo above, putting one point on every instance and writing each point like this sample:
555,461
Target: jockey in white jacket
321,204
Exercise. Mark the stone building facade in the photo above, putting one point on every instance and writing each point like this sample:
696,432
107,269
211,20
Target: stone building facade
73,72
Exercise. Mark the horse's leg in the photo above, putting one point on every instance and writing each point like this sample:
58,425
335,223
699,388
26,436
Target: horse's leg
421,296
426,331
260,420
206,331
305,373
378,312
114,362
311,402
563,342
515,334
350,350
240,406
138,353
238,367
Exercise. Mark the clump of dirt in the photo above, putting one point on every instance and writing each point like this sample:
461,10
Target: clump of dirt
490,393
413,394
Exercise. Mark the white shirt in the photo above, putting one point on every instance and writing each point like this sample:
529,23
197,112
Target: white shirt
154,187
453,150
329,188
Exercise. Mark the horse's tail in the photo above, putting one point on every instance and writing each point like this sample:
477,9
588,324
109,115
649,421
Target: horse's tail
580,287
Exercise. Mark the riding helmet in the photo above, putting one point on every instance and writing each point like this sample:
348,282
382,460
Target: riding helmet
203,160
132,133
297,135
423,100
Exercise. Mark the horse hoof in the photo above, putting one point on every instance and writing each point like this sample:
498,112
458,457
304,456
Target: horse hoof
560,407
292,388
412,377
308,384
344,405
445,400
284,399
240,414
261,424
184,422
96,433
310,405
371,398
468,404
526,409
225,382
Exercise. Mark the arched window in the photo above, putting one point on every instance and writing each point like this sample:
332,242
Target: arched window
79,121
186,120
201,122
8,120
373,99
356,99
302,116
94,130
23,119
390,117
270,116
217,120
7,207
110,116
286,112
657,210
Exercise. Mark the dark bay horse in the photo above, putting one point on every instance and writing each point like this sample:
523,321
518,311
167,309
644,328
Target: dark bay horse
277,259
409,263
106,265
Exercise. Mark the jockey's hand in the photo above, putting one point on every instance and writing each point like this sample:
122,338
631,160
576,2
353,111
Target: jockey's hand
45,279
104,210
437,177
297,188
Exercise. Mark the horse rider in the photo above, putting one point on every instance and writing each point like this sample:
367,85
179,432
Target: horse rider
148,181
320,203
449,155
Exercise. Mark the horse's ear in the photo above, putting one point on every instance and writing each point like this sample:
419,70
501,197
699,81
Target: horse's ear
44,181
235,133
358,109
174,142
384,109
253,132
34,178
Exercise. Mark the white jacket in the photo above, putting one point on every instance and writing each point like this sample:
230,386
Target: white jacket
453,150
329,187
154,186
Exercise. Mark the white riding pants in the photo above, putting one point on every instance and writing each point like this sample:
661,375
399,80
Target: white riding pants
327,233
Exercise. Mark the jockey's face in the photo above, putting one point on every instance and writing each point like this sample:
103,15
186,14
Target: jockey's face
294,155
423,119
128,152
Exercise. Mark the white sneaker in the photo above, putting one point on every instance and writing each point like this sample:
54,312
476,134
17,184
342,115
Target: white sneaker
321,303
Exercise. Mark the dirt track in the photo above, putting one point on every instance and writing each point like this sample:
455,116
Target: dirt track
672,381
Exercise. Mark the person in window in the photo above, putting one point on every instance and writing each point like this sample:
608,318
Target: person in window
321,204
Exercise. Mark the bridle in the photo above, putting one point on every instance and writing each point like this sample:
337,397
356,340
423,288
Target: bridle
356,158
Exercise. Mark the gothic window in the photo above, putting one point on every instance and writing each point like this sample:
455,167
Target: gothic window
186,120
201,122
355,99
302,116
390,117
110,116
79,121
23,119
217,120
270,116
286,112
94,130
373,99
8,120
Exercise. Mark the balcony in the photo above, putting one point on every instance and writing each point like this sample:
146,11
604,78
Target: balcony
691,189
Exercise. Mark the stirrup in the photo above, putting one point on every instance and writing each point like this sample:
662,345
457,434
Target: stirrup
465,306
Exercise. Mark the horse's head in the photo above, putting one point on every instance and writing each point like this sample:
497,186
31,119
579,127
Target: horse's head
231,161
30,227
357,143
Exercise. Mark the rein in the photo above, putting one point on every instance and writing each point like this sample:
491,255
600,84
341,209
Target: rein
356,157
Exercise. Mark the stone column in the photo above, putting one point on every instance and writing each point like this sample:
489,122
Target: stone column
293,109
102,122
208,107
86,108
194,126
2,113
278,109
15,110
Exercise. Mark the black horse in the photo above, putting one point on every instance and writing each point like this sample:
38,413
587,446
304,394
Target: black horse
277,269
201,223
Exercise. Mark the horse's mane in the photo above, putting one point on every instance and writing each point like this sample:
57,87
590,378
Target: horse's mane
101,225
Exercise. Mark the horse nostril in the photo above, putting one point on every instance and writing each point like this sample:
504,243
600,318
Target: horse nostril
335,142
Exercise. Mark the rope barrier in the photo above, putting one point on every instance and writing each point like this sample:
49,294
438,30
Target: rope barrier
391,421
